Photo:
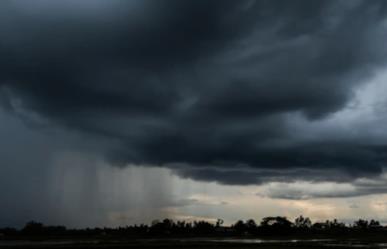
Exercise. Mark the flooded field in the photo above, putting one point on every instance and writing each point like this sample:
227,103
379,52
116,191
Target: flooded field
194,243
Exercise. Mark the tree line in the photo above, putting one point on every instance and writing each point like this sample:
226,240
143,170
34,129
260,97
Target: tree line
269,226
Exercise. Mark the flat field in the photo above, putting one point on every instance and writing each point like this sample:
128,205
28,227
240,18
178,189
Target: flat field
193,244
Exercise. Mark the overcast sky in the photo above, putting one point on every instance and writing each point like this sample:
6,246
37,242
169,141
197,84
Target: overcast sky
116,112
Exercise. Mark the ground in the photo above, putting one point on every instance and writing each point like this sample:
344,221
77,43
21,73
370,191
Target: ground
193,244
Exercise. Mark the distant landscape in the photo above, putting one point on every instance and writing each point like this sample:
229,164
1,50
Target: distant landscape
271,232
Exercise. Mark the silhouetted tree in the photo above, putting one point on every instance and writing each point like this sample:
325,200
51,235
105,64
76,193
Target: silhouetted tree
33,228
361,224
219,222
335,224
302,222
240,227
203,228
161,228
251,226
278,222
374,224
276,225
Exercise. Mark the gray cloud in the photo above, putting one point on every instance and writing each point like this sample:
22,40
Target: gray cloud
202,84
301,190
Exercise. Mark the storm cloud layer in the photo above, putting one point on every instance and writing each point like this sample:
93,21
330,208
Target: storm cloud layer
226,91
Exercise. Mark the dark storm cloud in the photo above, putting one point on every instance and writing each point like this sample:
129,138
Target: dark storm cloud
197,82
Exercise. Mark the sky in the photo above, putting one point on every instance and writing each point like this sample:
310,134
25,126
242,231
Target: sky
120,112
